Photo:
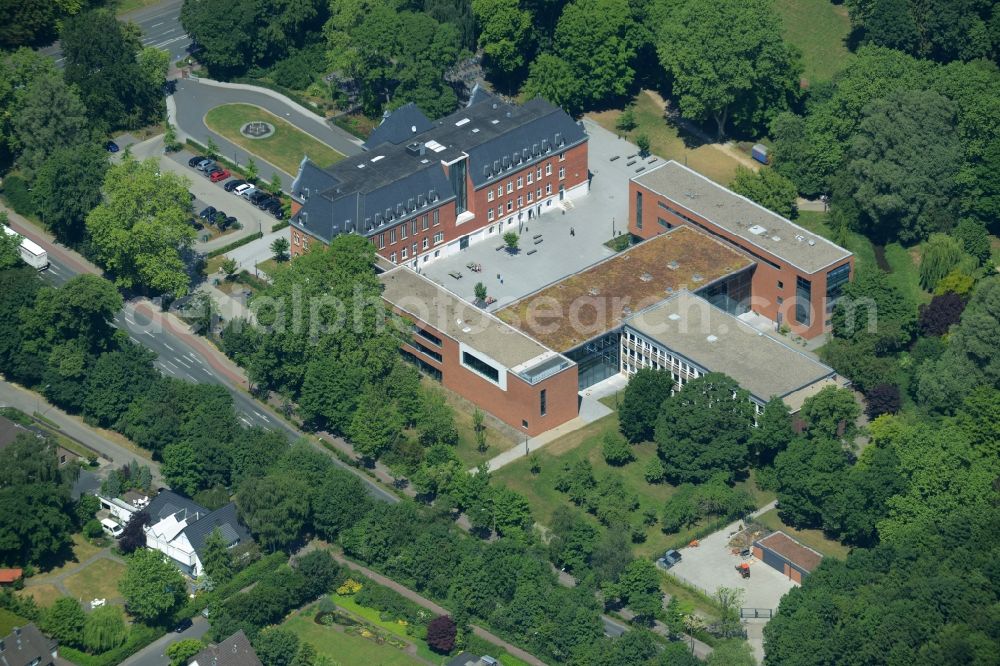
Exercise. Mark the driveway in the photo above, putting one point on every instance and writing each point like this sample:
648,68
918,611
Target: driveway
194,98
593,219
153,654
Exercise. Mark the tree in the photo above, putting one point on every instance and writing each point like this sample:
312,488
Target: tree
229,267
153,588
180,652
250,170
642,143
276,646
275,508
728,62
67,187
573,539
140,231
275,184
319,570
479,427
640,407
441,632
65,620
831,414
505,36
975,239
882,399
480,291
10,254
599,40
170,142
639,588
27,22
35,525
102,60
133,535
773,432
552,78
873,309
436,421
809,472
703,429
376,424
511,239
48,115
105,629
898,192
279,248
616,450
938,316
626,121
612,554
114,381
940,255
768,188
216,559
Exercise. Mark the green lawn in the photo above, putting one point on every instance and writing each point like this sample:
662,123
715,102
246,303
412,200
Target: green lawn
539,489
815,539
98,580
345,649
284,149
126,6
819,29
374,616
667,142
9,620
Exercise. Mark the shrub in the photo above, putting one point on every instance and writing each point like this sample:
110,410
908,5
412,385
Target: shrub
616,450
441,634
92,529
882,399
938,316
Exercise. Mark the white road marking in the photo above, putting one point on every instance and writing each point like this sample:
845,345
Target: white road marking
168,347
189,377
170,41
148,333
156,24
246,420
178,359
261,416
195,358
129,320
170,364
135,340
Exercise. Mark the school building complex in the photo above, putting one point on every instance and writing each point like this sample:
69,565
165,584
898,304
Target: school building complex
689,297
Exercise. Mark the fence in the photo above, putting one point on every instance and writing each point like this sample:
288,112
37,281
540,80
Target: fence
756,613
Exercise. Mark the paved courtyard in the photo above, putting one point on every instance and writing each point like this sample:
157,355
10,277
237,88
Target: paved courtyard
559,254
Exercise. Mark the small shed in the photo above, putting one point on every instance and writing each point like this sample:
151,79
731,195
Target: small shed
782,552
10,576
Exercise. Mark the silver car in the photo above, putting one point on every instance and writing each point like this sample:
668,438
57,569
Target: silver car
205,165
248,192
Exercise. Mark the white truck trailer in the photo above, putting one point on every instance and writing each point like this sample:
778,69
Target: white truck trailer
32,253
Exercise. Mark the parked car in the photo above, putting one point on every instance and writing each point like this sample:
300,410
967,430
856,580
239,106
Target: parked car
258,196
265,202
245,187
274,207
233,184
220,175
229,222
219,216
111,528
196,160
249,192
198,226
669,559
184,625
205,165
111,147
208,213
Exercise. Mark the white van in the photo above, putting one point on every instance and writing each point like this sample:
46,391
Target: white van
111,528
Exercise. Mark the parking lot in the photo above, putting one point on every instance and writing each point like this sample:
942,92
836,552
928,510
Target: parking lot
592,217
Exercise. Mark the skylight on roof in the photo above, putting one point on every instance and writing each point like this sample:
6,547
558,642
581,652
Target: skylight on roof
757,230
434,145
494,121
461,122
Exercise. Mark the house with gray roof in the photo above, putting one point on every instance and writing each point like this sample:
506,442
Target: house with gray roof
179,528
27,646
234,651
426,189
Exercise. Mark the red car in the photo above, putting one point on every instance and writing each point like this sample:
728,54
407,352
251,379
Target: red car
216,176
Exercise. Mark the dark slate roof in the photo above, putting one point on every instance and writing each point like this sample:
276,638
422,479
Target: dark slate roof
225,519
167,503
479,95
87,483
9,431
24,645
234,651
498,138
399,126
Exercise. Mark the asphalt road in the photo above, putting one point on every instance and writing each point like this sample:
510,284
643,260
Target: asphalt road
161,27
153,654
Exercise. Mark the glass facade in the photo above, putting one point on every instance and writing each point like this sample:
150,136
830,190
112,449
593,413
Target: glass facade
597,360
835,281
803,301
731,294
456,173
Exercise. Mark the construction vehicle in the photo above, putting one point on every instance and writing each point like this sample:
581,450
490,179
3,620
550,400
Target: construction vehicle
743,569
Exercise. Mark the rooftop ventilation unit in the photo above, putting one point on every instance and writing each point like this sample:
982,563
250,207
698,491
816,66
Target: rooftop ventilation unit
697,277
691,195
799,237
757,230
811,242
673,316
475,130
495,121
712,338
646,277
776,238
415,148
593,291
673,265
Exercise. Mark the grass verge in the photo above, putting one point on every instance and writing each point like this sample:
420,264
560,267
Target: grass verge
9,620
819,29
815,539
284,149
666,141
98,580
345,649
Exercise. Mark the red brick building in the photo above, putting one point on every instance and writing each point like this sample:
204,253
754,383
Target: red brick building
424,189
799,275
500,369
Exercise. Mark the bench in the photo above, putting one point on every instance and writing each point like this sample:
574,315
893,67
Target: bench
456,275
614,158
640,169
652,159
532,251
537,236
501,247
538,240
630,163
632,155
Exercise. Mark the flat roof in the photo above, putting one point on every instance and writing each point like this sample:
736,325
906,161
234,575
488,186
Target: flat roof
793,551
718,341
742,217
462,321
567,313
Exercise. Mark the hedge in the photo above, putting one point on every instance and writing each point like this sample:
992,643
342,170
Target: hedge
138,637
279,226
235,244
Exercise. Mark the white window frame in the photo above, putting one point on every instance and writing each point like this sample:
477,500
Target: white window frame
548,169
489,215
489,195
